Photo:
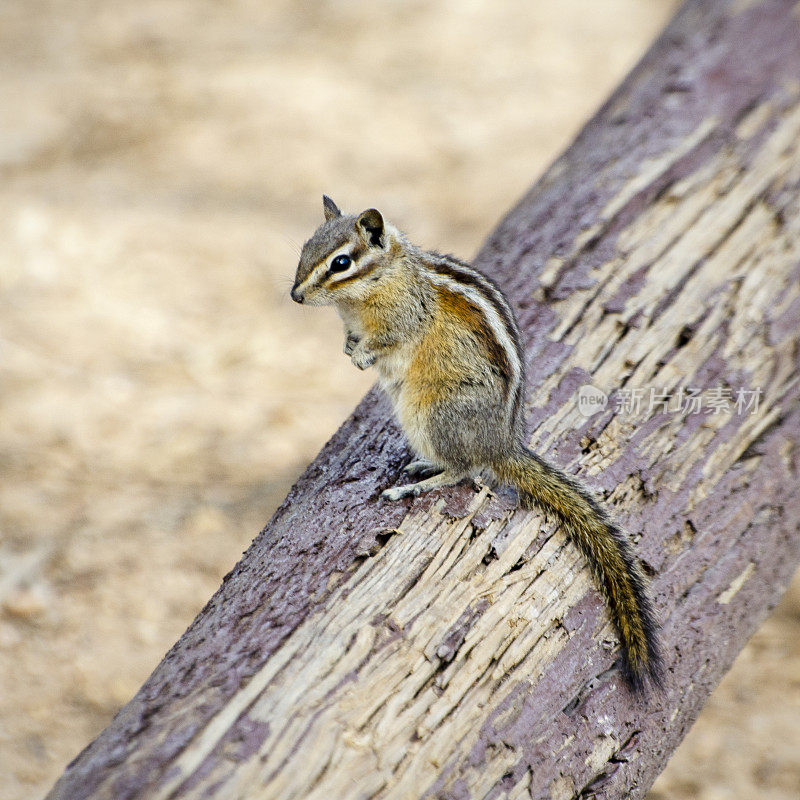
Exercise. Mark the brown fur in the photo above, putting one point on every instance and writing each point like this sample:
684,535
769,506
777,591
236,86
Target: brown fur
466,316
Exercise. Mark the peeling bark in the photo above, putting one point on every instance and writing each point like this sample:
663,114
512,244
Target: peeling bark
454,647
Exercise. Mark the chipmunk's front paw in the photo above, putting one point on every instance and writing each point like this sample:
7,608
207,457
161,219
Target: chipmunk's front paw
362,358
350,342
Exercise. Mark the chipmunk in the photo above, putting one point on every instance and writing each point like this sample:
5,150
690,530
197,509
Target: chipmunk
445,344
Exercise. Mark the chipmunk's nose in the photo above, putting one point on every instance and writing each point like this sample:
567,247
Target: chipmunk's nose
296,294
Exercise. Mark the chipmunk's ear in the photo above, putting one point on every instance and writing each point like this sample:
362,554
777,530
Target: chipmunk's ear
330,208
370,226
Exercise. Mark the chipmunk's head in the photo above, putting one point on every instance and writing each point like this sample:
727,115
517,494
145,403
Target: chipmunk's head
345,258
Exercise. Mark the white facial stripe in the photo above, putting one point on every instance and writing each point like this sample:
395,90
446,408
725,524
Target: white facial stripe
317,275
335,277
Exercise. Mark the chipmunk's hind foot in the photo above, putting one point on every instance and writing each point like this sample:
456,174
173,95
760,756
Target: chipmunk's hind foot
445,478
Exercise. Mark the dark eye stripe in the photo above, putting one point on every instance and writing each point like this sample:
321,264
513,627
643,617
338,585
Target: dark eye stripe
340,263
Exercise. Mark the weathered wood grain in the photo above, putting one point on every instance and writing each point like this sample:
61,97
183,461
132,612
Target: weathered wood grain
453,647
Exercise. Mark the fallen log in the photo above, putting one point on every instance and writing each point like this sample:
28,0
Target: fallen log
455,647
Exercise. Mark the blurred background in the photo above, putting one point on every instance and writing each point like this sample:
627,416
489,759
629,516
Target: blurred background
162,162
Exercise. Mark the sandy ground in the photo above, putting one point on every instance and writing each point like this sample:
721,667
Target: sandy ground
161,161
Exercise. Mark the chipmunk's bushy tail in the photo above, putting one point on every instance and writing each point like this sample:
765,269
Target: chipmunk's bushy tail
606,549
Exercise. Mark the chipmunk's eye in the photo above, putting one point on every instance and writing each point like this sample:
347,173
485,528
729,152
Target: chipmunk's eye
341,263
